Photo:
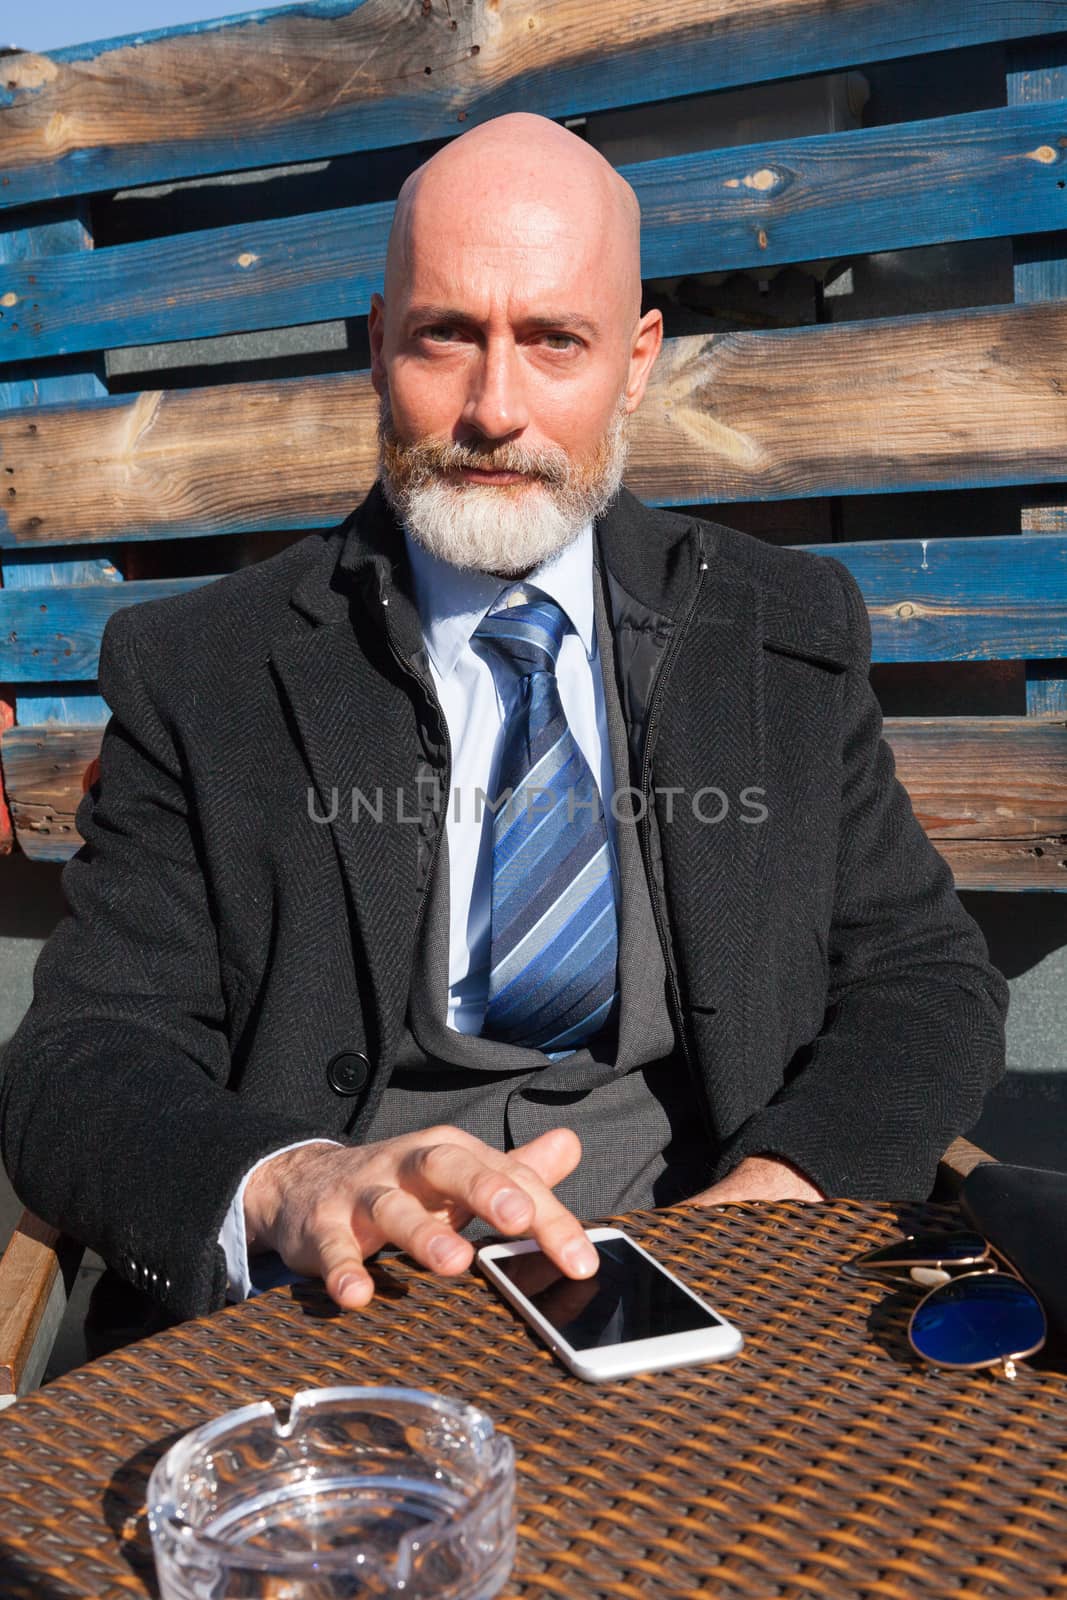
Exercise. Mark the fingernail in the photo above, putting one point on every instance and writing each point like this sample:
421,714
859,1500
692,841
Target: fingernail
349,1281
443,1252
580,1258
510,1206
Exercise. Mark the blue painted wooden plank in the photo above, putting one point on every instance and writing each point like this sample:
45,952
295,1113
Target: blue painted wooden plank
317,79
31,238
1046,683
1037,74
62,705
43,234
1000,598
966,599
55,634
964,177
37,570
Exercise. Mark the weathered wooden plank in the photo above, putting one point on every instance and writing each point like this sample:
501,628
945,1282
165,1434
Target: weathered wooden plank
961,177
929,600
938,401
32,1300
54,634
1046,682
1045,518
43,234
1008,866
332,75
36,236
1038,73
983,777
961,599
189,461
48,768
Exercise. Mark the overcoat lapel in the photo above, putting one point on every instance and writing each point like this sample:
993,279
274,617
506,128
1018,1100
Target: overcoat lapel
688,627
356,725
710,744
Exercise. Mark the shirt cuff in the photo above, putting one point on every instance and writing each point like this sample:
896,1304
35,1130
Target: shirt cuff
242,1279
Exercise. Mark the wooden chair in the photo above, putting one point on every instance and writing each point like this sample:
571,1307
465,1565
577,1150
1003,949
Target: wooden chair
761,398
36,1276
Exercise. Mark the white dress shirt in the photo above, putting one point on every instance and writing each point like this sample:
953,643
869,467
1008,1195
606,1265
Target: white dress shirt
477,688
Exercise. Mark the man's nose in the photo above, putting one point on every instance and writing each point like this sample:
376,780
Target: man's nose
496,404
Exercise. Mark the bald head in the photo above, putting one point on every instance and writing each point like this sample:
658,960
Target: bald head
509,349
521,184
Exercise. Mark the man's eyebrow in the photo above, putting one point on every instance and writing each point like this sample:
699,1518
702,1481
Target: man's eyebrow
564,321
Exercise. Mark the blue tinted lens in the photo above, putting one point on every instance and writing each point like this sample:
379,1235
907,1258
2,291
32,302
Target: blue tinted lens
978,1319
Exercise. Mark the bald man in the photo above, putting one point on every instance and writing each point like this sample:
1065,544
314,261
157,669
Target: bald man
512,854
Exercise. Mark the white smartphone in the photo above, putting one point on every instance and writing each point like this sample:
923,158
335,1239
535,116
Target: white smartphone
631,1316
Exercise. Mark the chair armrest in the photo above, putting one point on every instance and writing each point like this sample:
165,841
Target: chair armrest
36,1273
959,1159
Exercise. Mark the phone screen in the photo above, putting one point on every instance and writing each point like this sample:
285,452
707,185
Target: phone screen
627,1298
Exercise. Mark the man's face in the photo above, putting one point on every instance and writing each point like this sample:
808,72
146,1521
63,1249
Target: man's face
504,355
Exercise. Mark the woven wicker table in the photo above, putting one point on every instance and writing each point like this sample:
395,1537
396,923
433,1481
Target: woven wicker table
822,1462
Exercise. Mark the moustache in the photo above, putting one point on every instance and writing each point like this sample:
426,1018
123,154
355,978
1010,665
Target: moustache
434,457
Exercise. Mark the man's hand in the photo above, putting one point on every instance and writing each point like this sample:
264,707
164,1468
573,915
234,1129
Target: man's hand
325,1209
759,1178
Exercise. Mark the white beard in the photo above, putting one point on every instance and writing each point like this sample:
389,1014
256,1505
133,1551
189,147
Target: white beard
505,530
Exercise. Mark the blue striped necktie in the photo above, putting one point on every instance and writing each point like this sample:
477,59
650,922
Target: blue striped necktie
554,935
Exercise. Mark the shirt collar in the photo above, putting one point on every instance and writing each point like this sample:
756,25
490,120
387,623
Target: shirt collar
452,600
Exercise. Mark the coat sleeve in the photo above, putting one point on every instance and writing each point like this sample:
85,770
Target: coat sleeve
116,1123
913,1037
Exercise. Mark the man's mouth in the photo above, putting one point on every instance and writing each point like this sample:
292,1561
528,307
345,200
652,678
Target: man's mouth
491,475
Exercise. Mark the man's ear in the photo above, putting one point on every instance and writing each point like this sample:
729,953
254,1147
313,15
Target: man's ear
648,340
376,332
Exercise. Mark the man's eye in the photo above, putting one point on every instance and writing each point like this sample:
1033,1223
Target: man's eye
439,333
559,341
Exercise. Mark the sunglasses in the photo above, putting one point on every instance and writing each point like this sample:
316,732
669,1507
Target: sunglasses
978,1312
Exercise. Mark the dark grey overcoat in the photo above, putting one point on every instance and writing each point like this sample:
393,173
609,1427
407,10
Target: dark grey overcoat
233,974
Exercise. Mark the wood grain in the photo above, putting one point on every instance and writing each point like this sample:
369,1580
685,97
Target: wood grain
945,400
52,231
961,599
312,80
984,778
29,1270
950,178
1037,72
1007,866
54,634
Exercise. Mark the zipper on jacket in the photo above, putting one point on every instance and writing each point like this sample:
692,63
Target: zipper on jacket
431,694
673,991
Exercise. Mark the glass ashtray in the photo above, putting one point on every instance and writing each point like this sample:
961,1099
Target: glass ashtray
357,1492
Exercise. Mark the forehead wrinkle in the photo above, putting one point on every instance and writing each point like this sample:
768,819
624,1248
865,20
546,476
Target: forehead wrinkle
585,201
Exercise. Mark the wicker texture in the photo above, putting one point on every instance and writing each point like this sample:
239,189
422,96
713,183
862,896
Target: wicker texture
822,1462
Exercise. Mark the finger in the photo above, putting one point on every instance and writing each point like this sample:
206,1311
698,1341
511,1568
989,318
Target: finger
340,1265
552,1155
507,1193
557,1230
445,1172
399,1217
